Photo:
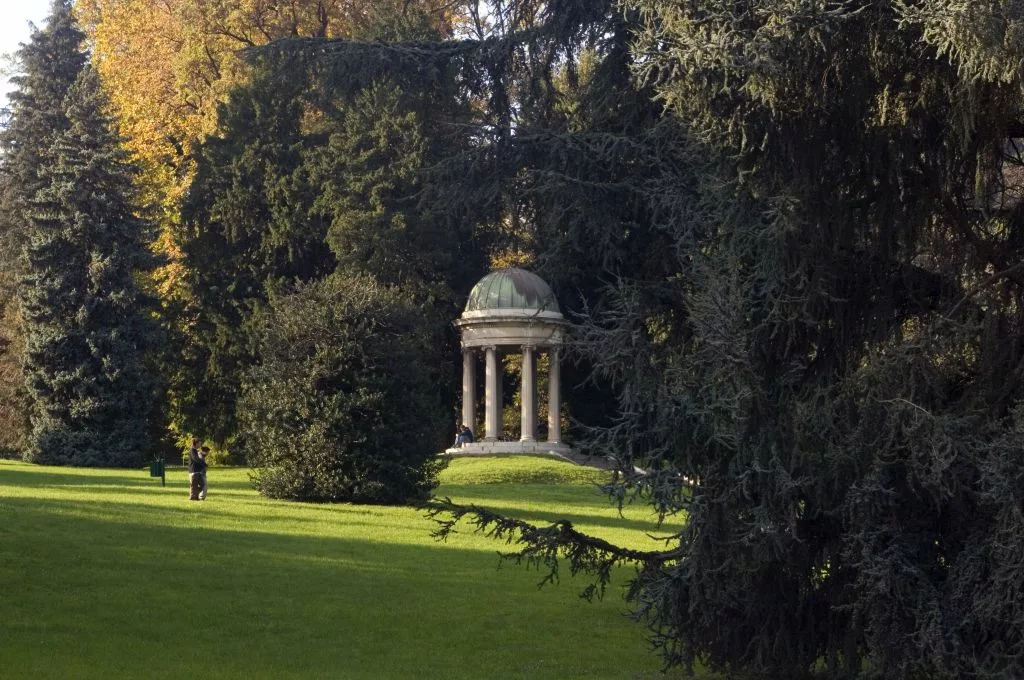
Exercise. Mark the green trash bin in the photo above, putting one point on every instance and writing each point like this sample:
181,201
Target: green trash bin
156,468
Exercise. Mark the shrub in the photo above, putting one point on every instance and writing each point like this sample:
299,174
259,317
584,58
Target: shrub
344,404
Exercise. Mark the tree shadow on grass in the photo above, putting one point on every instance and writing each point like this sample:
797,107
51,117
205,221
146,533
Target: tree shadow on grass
38,476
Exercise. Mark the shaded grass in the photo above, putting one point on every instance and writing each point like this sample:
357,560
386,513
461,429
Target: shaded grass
107,574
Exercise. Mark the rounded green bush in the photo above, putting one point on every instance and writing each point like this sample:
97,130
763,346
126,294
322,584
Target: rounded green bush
343,405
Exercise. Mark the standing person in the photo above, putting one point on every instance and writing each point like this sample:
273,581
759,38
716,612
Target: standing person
196,471
203,453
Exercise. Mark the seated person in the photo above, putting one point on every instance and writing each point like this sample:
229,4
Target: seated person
464,436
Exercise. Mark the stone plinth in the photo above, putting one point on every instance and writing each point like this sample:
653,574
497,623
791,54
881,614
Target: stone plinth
500,447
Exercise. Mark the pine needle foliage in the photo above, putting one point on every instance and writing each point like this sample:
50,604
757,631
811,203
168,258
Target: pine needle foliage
72,209
316,170
247,228
46,67
832,376
92,392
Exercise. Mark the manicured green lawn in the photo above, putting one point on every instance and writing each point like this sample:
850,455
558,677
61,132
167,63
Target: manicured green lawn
106,574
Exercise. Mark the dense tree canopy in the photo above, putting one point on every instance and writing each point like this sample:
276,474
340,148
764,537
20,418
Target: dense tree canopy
309,175
833,373
169,65
248,228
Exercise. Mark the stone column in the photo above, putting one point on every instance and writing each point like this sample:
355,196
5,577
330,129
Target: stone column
499,406
469,388
554,397
492,395
528,424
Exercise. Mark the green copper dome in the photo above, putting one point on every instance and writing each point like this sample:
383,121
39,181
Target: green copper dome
512,288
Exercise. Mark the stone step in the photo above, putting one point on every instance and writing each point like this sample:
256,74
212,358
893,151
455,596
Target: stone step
519,448
510,447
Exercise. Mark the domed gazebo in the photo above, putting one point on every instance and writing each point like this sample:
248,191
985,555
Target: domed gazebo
511,310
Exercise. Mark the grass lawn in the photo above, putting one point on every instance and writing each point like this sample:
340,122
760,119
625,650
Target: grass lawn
107,574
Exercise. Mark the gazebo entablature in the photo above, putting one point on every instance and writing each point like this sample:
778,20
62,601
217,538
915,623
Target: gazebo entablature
542,329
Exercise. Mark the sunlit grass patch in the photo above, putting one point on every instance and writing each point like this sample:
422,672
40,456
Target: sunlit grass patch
107,574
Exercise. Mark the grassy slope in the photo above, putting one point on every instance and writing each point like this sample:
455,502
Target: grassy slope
107,574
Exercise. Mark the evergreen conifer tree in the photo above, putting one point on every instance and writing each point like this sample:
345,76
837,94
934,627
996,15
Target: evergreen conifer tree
48,65
84,314
248,228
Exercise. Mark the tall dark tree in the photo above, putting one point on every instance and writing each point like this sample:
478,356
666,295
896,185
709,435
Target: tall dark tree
47,66
371,177
829,369
248,228
87,330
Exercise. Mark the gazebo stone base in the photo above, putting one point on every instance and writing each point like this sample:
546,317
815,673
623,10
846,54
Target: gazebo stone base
512,448
485,448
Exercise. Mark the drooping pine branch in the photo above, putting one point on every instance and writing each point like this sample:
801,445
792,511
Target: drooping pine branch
545,547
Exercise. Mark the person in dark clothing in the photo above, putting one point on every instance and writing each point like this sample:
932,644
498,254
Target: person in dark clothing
465,436
203,453
196,472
